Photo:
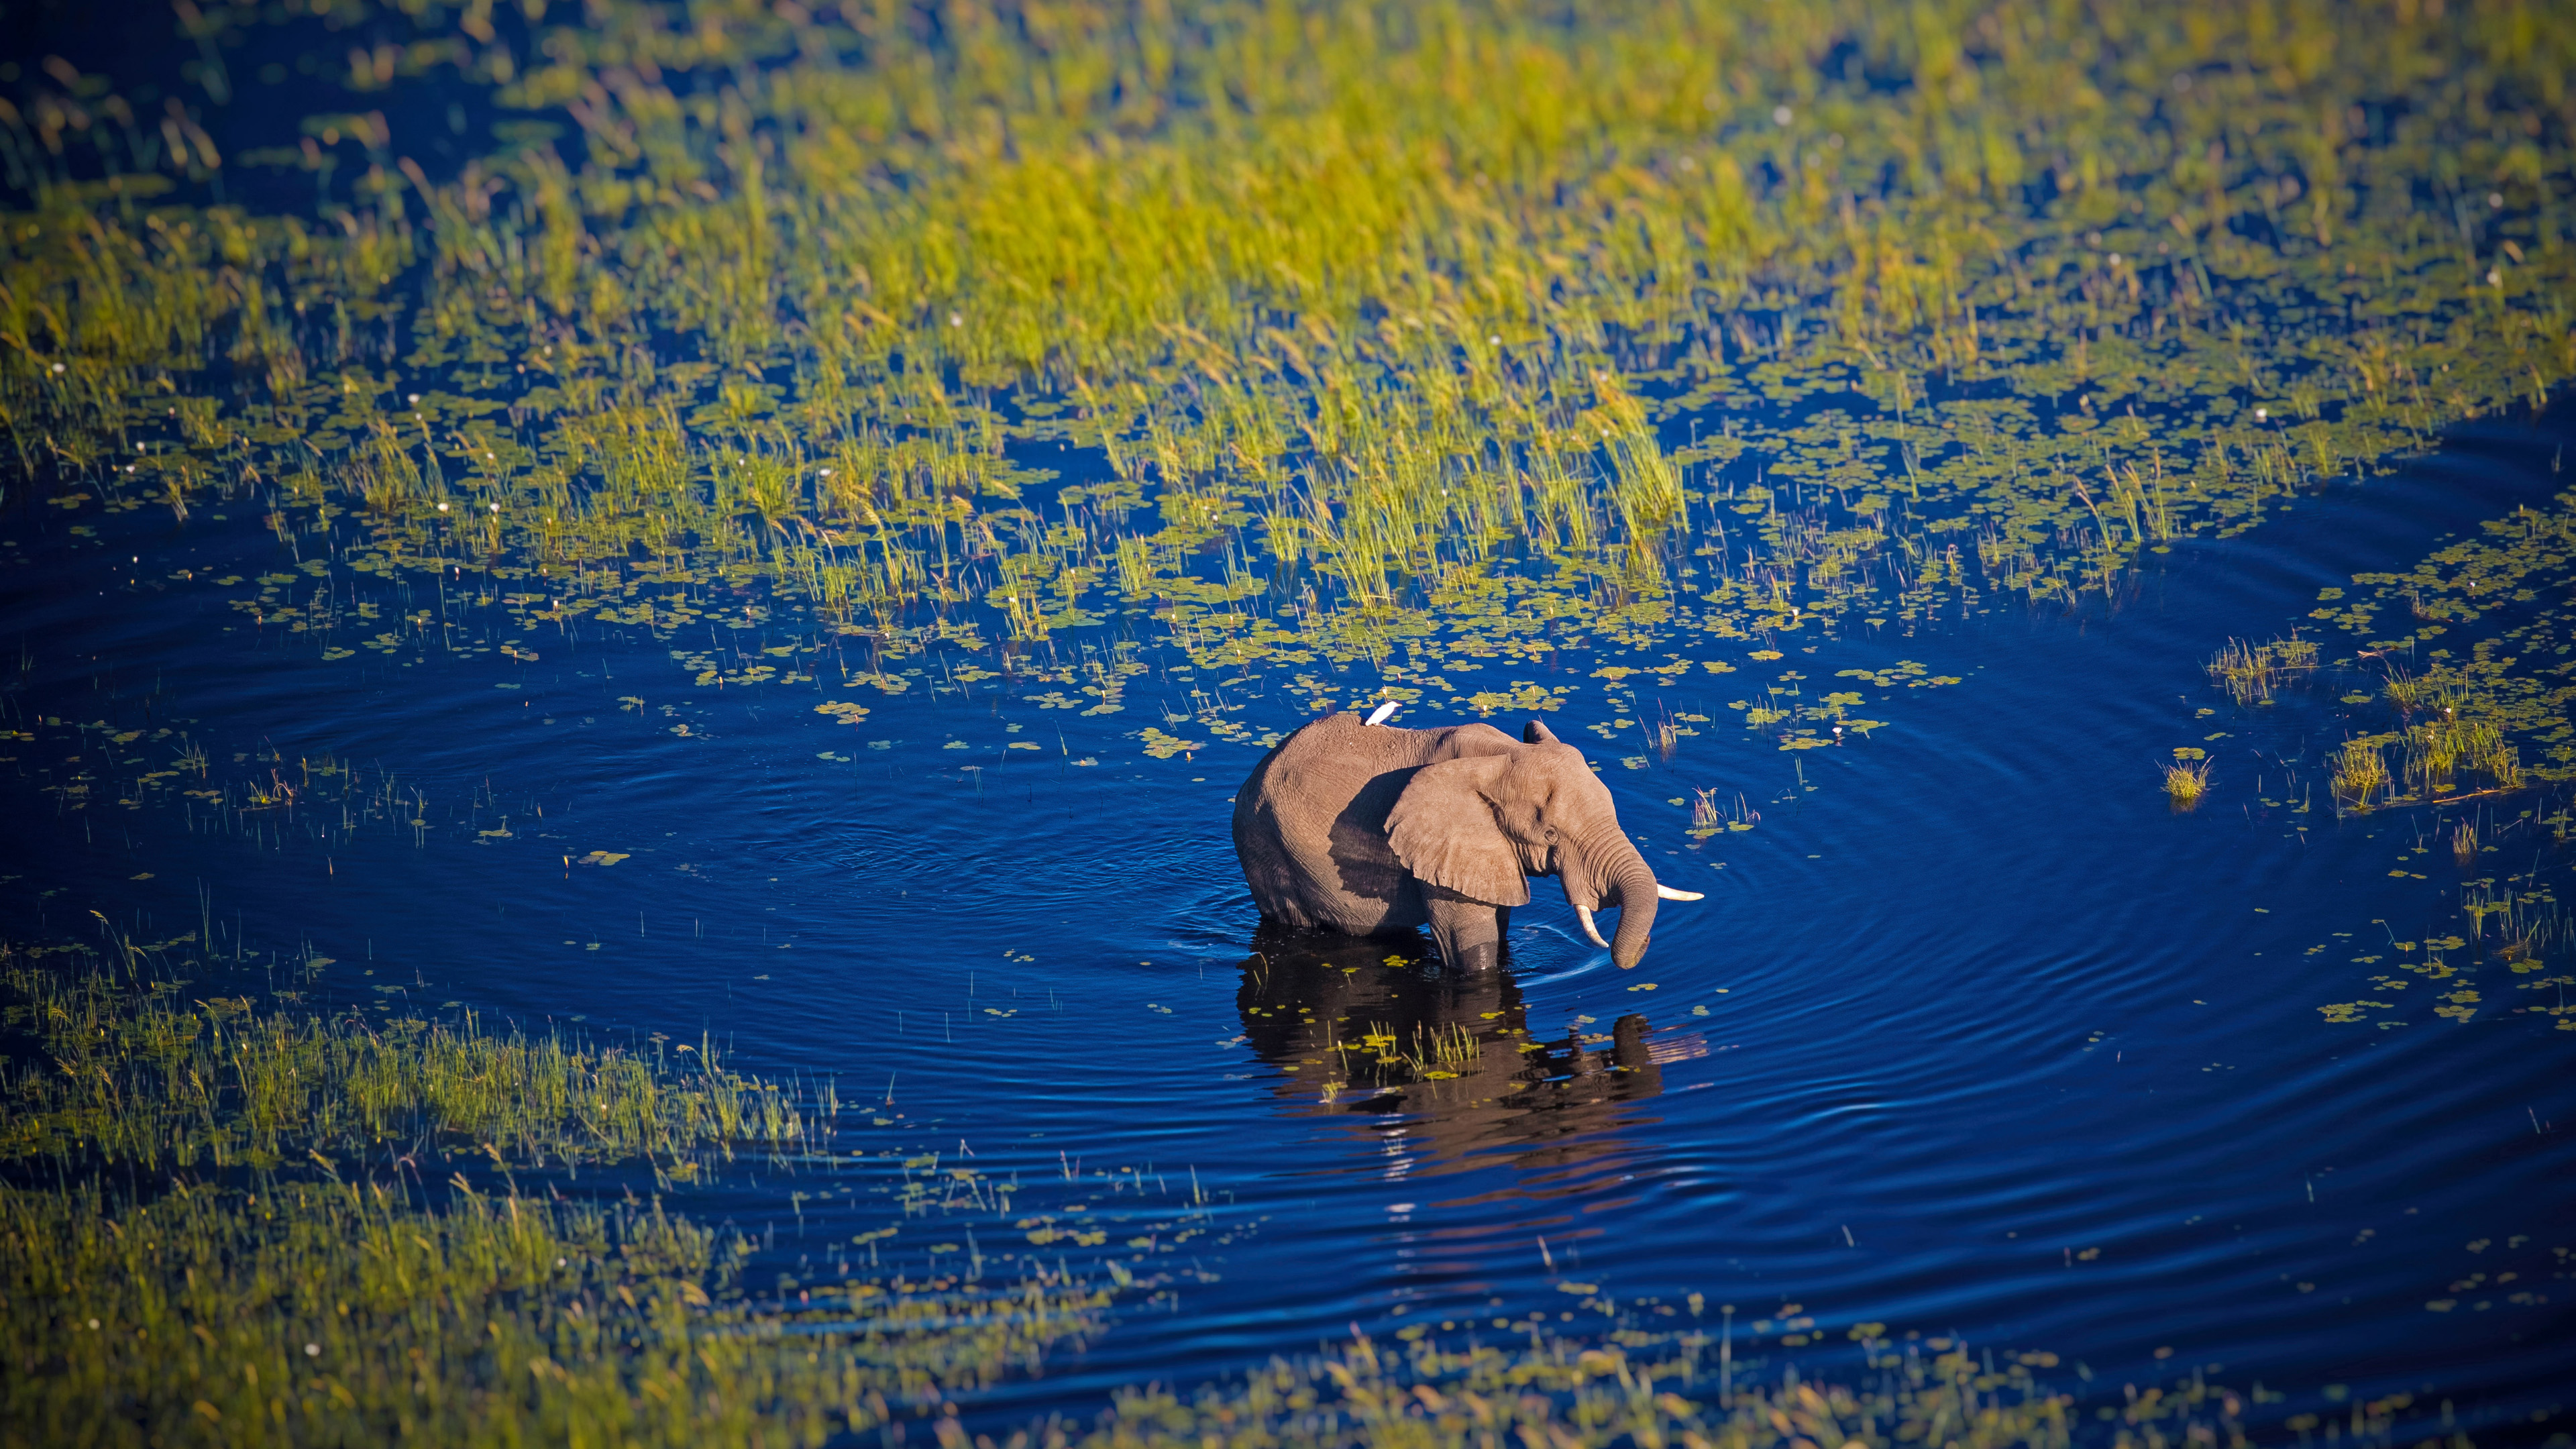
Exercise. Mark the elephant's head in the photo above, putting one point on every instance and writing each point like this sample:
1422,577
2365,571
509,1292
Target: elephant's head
1480,824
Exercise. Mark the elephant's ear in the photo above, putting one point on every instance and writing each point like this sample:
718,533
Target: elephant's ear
1535,733
1443,829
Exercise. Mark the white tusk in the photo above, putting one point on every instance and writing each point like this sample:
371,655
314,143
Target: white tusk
1590,929
1667,893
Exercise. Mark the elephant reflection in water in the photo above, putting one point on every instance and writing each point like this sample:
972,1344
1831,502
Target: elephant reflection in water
1362,1029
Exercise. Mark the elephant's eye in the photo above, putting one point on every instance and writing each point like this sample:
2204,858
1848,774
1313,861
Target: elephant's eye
1551,832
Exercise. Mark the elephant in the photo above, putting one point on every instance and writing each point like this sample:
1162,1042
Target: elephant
1369,829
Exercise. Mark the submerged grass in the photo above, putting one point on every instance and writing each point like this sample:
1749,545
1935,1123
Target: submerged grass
2472,692
2500,940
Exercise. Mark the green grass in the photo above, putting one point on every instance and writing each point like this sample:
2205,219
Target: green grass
2505,951
1366,351
223,1221
2453,677
2456,660
145,1073
349,1313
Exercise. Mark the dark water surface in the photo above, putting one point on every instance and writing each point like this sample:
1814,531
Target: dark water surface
1973,1035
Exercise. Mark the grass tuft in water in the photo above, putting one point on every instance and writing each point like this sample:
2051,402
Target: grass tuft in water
2186,779
1706,820
2361,774
2251,672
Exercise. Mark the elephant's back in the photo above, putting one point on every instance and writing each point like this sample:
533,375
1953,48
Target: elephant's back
1333,760
1326,760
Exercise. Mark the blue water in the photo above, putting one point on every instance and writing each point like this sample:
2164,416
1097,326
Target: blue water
1973,1034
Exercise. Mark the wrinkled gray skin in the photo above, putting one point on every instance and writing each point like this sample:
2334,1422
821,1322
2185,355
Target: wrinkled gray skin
1368,829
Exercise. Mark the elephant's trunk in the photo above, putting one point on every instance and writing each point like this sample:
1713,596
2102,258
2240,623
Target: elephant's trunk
1605,872
1635,893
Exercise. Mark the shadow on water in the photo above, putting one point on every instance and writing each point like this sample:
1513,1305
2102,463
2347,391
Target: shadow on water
1438,1071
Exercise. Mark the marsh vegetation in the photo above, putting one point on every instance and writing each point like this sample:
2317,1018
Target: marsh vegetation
1293,335
1179,371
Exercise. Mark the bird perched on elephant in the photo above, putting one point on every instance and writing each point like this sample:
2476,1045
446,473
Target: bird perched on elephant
1368,829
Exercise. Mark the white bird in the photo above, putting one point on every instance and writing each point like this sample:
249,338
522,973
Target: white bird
1382,713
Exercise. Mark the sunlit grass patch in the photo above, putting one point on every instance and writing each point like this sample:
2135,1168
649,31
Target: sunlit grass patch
1389,353
2440,751
144,1072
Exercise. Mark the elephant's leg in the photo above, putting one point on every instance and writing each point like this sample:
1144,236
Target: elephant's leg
1469,933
